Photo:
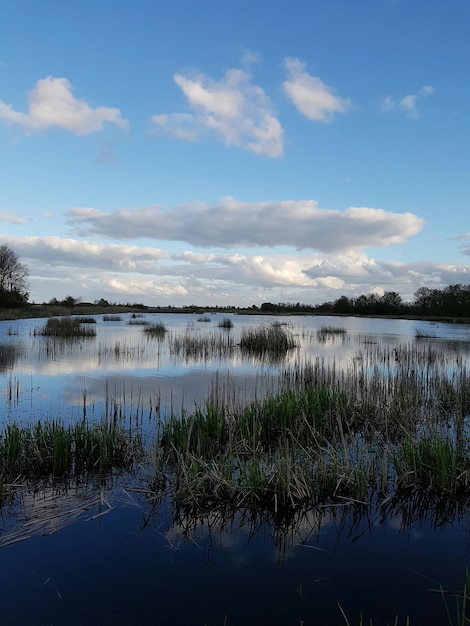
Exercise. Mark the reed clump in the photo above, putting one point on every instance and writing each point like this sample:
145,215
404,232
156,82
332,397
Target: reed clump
112,318
158,329
326,332
393,425
195,346
225,323
267,340
50,448
67,327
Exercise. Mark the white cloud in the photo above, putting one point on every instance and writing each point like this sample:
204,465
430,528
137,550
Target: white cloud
407,104
73,252
128,273
233,109
52,103
427,90
6,216
310,95
229,223
181,125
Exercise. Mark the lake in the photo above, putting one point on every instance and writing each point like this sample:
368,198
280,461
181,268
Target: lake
106,552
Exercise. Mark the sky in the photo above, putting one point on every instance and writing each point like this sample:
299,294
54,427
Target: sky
213,152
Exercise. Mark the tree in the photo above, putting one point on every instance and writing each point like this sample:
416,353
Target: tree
13,279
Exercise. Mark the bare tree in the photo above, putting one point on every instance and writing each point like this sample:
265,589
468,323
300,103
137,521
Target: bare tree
13,278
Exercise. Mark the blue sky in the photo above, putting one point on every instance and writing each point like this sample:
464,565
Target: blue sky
214,152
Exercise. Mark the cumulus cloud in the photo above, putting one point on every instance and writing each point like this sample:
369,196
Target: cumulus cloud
310,95
121,272
407,104
232,109
229,223
76,253
52,103
6,216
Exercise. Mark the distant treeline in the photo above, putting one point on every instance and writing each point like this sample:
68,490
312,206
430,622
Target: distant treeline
452,301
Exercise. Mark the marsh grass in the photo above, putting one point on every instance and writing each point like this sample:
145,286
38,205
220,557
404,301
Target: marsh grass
433,462
267,340
67,327
202,347
462,613
384,429
363,622
225,323
52,449
204,318
112,318
461,609
330,332
158,329
87,320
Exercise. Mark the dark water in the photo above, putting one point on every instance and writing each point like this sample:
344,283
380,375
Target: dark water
122,562
116,570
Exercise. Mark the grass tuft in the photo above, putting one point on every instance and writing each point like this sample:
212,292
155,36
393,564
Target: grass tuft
69,327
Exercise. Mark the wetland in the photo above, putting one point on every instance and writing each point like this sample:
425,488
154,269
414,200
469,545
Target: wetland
234,469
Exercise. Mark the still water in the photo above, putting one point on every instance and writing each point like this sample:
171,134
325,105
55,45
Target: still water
107,554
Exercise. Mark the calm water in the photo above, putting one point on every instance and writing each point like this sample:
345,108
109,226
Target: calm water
125,560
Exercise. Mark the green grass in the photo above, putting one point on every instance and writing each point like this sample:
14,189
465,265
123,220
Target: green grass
382,433
50,448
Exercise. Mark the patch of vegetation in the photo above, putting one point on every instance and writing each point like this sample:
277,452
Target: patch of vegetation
158,329
51,449
267,340
326,332
226,323
68,327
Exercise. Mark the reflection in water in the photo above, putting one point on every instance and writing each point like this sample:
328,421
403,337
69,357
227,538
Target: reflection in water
44,508
121,539
9,354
